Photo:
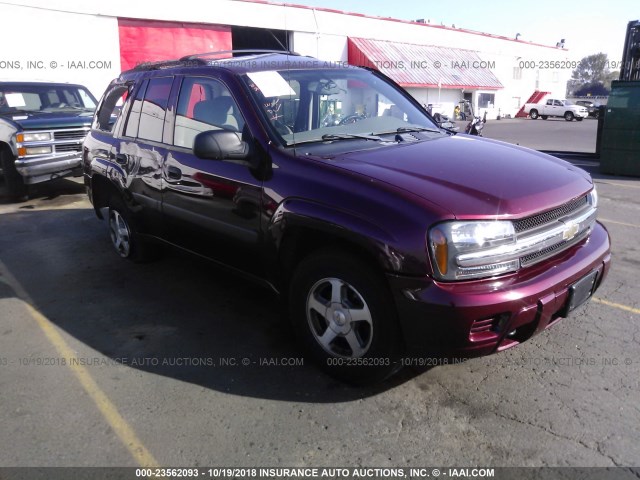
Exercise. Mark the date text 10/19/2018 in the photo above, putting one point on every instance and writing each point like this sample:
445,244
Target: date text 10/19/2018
314,472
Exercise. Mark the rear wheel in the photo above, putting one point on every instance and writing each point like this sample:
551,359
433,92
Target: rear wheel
568,116
533,114
124,236
16,187
343,314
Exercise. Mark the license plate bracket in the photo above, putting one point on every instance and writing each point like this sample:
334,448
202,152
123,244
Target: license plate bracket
581,291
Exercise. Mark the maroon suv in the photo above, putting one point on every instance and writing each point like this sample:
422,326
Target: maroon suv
389,238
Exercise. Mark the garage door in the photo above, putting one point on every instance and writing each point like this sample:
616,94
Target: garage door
148,41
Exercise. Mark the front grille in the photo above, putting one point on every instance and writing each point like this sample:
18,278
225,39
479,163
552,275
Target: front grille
69,148
546,252
69,134
534,221
529,259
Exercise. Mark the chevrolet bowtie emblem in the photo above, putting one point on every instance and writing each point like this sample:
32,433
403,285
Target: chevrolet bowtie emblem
571,231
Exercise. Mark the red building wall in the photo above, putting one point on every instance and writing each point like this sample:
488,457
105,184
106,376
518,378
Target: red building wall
148,41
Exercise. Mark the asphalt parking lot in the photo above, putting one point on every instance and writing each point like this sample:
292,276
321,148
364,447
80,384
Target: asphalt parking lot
553,134
108,363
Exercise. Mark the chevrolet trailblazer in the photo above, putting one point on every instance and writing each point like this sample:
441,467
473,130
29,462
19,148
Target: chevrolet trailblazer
385,235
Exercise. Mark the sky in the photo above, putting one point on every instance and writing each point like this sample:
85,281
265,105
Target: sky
587,26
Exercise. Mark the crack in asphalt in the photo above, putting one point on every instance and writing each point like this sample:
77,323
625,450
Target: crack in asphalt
596,449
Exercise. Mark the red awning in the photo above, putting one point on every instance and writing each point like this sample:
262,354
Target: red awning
424,66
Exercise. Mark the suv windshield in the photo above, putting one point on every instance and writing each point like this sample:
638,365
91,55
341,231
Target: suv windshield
316,105
44,98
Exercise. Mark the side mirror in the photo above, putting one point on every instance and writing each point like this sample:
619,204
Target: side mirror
220,145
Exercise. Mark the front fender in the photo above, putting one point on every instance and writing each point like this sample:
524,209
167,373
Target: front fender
106,179
339,224
8,129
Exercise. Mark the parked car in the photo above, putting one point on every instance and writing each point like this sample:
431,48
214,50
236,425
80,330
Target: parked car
591,107
42,126
554,107
389,239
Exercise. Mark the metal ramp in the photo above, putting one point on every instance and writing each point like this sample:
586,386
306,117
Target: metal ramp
535,98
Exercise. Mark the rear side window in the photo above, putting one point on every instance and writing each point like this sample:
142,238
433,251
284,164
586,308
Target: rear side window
110,108
204,104
154,107
131,129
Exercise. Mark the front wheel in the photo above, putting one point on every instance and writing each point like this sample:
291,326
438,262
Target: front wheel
533,114
568,116
579,119
16,188
544,117
343,314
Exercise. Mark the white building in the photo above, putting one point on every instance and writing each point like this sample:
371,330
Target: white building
90,42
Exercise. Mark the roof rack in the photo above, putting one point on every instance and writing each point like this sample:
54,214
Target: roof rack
162,64
198,57
221,52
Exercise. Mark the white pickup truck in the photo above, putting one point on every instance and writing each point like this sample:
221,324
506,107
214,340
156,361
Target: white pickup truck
553,107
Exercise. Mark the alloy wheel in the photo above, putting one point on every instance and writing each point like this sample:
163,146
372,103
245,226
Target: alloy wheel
339,318
120,233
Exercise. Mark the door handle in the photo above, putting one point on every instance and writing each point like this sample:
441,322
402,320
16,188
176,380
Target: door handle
121,159
174,173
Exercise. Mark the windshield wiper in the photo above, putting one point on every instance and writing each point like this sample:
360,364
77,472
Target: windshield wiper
347,136
417,129
73,107
328,137
18,111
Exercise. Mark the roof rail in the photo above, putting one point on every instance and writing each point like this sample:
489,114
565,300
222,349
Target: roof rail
221,52
198,57
162,64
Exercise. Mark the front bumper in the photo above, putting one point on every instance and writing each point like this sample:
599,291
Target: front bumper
475,318
48,167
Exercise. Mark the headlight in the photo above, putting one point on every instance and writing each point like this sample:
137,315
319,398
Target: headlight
34,137
447,241
38,150
592,197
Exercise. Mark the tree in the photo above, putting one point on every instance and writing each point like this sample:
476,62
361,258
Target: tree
592,75
591,90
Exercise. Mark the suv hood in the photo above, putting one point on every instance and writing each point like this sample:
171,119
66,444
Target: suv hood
50,120
473,177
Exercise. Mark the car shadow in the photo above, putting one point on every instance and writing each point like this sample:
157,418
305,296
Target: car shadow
179,316
52,191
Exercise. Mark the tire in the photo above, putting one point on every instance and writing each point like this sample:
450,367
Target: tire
596,114
533,114
569,116
124,235
16,188
544,117
344,316
579,119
